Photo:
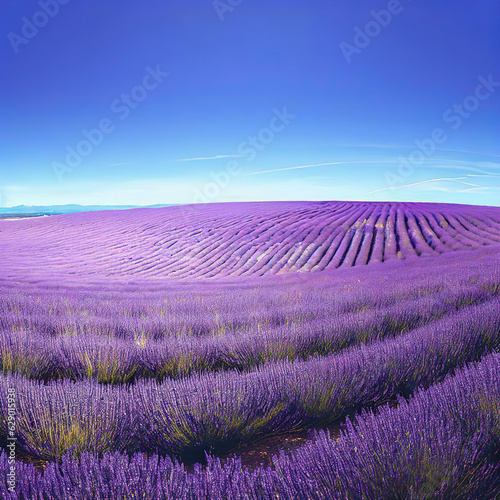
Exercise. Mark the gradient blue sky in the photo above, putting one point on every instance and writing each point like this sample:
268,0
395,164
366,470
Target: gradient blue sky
354,122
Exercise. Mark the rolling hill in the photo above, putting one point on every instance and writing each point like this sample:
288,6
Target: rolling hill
242,239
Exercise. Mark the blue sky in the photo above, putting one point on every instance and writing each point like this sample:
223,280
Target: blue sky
238,100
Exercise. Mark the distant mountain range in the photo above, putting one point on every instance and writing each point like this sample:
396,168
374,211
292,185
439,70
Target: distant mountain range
65,209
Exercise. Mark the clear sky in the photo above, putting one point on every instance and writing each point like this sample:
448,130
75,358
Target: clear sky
156,101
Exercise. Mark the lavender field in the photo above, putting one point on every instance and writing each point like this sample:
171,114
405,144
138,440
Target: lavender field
294,350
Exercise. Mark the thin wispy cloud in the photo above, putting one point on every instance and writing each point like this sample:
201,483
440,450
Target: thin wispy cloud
314,165
482,164
448,190
217,157
388,161
462,167
469,152
460,180
489,175
378,146
121,164
394,146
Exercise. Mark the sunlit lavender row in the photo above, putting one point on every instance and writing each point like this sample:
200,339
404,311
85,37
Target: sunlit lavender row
118,337
443,443
218,412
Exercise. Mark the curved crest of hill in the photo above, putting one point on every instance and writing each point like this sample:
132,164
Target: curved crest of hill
242,239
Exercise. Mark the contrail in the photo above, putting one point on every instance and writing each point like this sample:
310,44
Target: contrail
212,157
457,179
315,165
394,146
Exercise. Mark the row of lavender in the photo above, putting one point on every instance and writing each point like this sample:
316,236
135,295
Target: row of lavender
444,443
415,322
242,239
296,322
219,412
177,310
110,360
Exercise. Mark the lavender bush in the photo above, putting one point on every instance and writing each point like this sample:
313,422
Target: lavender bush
442,444
142,342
